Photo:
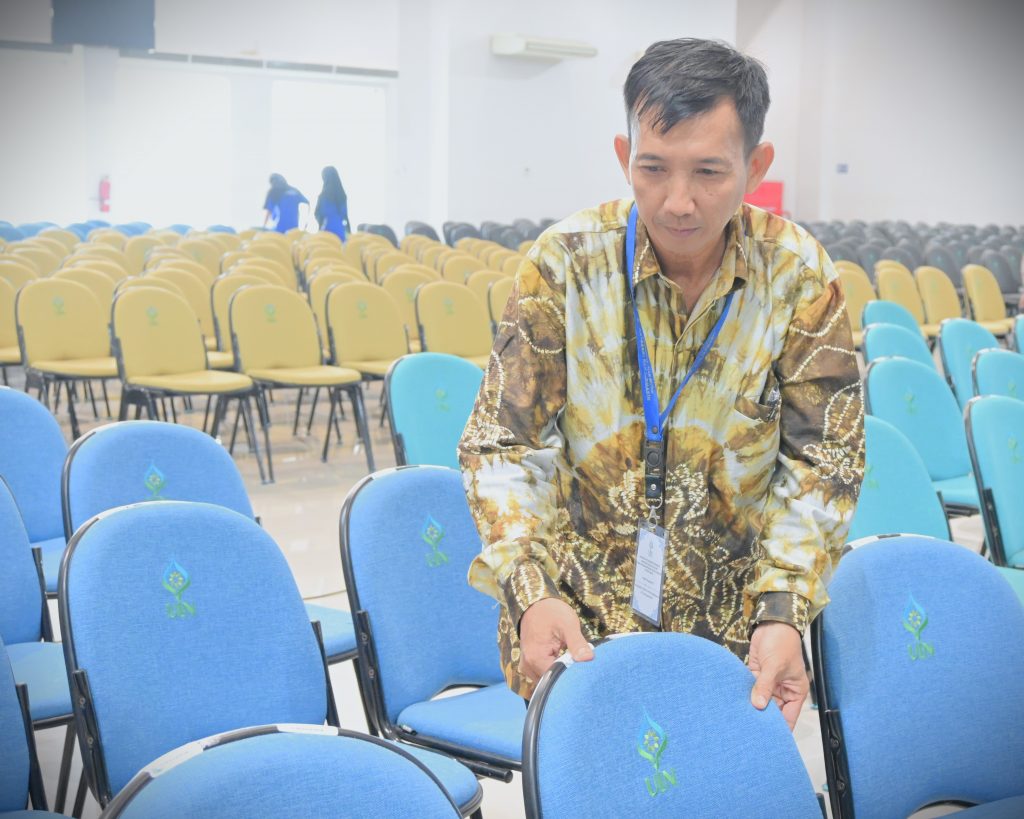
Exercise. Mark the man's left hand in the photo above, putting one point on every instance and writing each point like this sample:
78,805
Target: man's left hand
777,660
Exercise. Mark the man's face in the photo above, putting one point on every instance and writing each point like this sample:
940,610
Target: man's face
689,181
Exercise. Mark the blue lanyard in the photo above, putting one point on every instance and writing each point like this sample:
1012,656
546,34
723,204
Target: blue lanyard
654,420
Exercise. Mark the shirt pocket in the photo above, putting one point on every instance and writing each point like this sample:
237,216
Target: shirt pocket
752,442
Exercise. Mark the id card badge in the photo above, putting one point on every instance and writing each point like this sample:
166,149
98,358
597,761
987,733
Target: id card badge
649,576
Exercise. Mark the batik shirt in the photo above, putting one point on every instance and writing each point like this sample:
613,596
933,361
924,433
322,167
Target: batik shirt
764,449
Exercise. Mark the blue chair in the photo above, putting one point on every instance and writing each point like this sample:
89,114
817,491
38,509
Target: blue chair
221,229
430,398
959,341
1015,577
998,372
916,400
20,778
917,666
995,437
659,725
889,312
1018,333
180,621
9,233
134,461
884,340
410,529
32,452
896,495
301,773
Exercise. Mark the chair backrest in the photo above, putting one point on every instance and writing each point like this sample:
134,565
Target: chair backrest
156,332
438,632
136,461
273,327
401,284
857,289
983,293
97,282
678,740
998,372
196,293
187,266
1007,278
497,297
938,295
8,324
480,282
916,628
995,435
301,772
896,495
452,320
384,263
430,398
61,320
186,621
316,289
364,324
916,400
21,598
959,341
224,287
15,751
16,272
882,340
458,266
151,282
897,284
888,312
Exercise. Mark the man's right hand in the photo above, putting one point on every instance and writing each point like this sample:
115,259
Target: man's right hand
546,629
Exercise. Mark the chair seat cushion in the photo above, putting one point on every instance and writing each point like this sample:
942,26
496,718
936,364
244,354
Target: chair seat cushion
930,330
41,667
998,327
104,367
323,376
858,338
53,551
219,360
479,360
200,382
370,367
32,814
210,343
958,490
1009,808
486,719
10,355
338,630
458,780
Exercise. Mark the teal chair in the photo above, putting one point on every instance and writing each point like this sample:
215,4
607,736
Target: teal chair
896,495
1015,577
959,341
916,400
884,340
995,436
998,372
430,397
1018,333
880,311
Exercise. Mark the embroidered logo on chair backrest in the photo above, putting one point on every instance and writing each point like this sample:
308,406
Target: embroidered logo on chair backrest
449,307
909,398
915,619
155,482
1013,446
432,533
152,314
442,400
651,746
270,311
1011,388
176,580
870,481
363,308
411,293
58,306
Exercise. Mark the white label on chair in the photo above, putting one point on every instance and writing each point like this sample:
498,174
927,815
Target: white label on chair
301,728
174,758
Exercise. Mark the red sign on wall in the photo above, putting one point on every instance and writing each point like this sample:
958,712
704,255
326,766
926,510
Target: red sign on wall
768,196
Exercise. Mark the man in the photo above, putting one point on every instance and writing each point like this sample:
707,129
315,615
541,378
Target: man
602,506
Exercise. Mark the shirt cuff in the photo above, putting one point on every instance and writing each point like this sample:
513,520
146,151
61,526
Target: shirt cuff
527,584
782,607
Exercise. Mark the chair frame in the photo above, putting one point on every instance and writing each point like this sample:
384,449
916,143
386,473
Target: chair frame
368,669
989,513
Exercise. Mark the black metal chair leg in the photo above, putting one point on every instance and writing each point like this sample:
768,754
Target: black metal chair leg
206,412
65,768
79,807
71,412
218,414
298,411
92,400
333,395
234,429
106,398
151,407
362,424
312,410
253,443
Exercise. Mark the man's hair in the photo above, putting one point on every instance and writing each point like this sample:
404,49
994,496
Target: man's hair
679,79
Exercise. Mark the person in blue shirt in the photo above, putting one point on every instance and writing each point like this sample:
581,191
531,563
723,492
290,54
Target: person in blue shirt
332,205
282,204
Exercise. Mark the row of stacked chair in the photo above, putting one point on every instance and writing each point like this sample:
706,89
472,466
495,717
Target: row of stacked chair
518,235
143,581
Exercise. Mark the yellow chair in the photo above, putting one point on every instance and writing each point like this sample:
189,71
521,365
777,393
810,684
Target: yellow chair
160,354
986,299
164,253
270,275
411,267
103,251
495,259
285,271
275,339
451,319
57,248
224,287
186,266
457,267
411,242
106,236
430,255
233,257
295,233
65,237
937,294
481,280
325,265
316,290
147,281
204,251
471,245
16,272
62,330
197,295
112,270
402,285
497,297
248,234
896,284
524,246
10,353
858,291
97,282
511,265
320,251
135,250
268,248
44,261
365,329
386,262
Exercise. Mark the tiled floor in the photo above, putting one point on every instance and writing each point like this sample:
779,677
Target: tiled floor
301,512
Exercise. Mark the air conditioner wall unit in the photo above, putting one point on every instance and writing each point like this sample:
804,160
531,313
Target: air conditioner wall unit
538,48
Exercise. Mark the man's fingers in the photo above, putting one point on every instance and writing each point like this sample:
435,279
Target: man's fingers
577,645
764,685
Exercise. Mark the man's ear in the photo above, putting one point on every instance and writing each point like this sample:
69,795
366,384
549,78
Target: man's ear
758,164
623,151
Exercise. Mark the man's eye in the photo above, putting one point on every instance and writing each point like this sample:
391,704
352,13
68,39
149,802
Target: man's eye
707,172
651,168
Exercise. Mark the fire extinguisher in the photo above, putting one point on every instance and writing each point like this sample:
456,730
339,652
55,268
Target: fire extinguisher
104,194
